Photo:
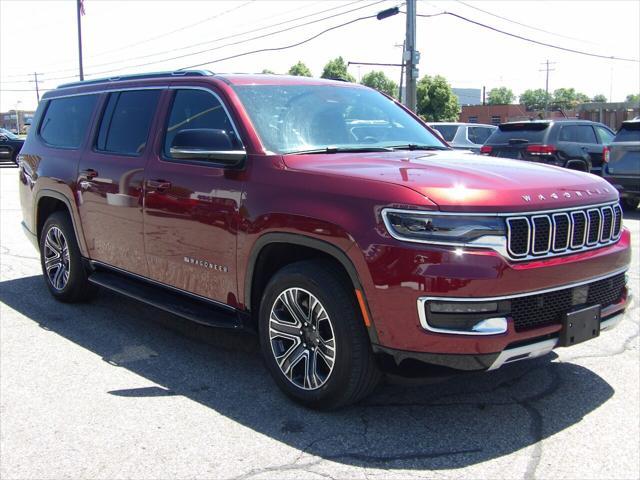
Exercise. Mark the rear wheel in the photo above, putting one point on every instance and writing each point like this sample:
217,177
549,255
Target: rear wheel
313,337
61,261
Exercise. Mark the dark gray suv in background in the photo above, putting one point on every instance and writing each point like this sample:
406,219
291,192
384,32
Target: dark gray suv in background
622,163
574,144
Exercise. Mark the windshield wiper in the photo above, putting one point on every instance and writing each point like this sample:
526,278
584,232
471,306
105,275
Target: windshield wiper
413,146
342,150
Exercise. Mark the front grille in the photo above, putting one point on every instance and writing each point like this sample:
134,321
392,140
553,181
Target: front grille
546,309
562,232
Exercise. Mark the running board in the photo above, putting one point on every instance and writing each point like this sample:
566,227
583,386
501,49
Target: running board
182,305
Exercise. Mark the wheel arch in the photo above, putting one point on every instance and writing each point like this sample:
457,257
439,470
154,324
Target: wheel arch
49,201
255,279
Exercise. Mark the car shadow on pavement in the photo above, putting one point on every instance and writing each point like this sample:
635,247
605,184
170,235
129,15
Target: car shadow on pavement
449,424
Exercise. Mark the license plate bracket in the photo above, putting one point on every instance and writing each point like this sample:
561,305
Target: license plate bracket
580,325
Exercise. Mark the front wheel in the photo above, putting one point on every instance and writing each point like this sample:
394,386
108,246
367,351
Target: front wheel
313,338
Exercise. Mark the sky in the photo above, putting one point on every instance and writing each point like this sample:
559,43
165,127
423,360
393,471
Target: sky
143,35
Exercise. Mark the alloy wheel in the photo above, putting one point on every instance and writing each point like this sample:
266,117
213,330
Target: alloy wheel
302,338
56,258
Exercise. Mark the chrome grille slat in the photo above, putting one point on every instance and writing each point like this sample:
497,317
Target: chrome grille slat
553,233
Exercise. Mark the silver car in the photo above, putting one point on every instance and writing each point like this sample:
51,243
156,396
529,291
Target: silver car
467,136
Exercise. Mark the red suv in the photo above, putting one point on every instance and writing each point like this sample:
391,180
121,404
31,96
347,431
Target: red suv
322,215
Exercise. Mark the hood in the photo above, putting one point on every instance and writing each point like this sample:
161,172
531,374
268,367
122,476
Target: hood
457,181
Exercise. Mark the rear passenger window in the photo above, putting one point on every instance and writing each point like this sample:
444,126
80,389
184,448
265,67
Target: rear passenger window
195,109
126,120
578,134
479,135
447,131
66,120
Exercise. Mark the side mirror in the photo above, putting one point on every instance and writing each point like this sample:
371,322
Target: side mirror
210,144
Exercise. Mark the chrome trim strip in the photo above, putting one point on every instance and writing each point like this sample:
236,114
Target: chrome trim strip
555,227
610,234
586,229
511,253
525,352
50,95
591,244
533,234
164,285
617,210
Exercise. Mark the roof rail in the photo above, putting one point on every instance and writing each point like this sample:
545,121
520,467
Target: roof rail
140,76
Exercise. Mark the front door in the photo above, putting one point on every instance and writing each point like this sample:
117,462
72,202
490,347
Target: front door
191,207
110,179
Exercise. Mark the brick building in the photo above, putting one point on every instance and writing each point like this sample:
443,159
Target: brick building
497,114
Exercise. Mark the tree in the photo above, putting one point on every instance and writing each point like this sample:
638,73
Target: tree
300,70
600,98
266,70
633,98
501,96
535,99
380,82
568,98
436,101
336,69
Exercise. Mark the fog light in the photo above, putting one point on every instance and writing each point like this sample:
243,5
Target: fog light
463,307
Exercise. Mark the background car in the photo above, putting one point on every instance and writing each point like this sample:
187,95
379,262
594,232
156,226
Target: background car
10,146
574,144
467,136
622,163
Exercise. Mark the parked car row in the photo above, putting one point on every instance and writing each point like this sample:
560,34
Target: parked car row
574,144
10,146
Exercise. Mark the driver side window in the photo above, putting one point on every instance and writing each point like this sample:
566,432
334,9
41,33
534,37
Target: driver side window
195,109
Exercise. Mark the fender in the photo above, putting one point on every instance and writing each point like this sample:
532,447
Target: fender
77,228
310,242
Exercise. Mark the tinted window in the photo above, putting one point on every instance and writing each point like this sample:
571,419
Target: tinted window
577,134
126,121
447,131
66,120
195,109
532,132
479,135
605,135
629,133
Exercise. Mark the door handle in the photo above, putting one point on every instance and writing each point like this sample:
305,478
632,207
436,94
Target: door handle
158,185
89,173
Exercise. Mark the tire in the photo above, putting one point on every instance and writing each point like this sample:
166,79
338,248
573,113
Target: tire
579,165
352,373
62,267
630,203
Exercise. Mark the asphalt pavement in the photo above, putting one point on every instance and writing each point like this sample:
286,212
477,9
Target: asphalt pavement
116,389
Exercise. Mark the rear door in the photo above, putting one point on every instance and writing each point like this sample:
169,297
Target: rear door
192,206
579,141
624,155
110,178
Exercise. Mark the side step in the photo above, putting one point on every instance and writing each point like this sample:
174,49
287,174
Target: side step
191,308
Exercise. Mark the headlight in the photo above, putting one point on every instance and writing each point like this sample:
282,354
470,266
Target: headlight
421,226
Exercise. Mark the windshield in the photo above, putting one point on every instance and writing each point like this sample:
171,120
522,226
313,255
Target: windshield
299,118
8,134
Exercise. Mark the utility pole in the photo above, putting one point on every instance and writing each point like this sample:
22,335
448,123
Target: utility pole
484,95
411,58
80,12
401,72
546,88
35,79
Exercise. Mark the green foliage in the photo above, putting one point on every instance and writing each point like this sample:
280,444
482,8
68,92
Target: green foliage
568,98
599,98
300,70
380,82
633,98
501,96
336,69
534,99
266,70
436,101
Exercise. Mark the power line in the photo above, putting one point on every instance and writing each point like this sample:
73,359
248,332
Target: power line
550,45
186,47
523,24
274,49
